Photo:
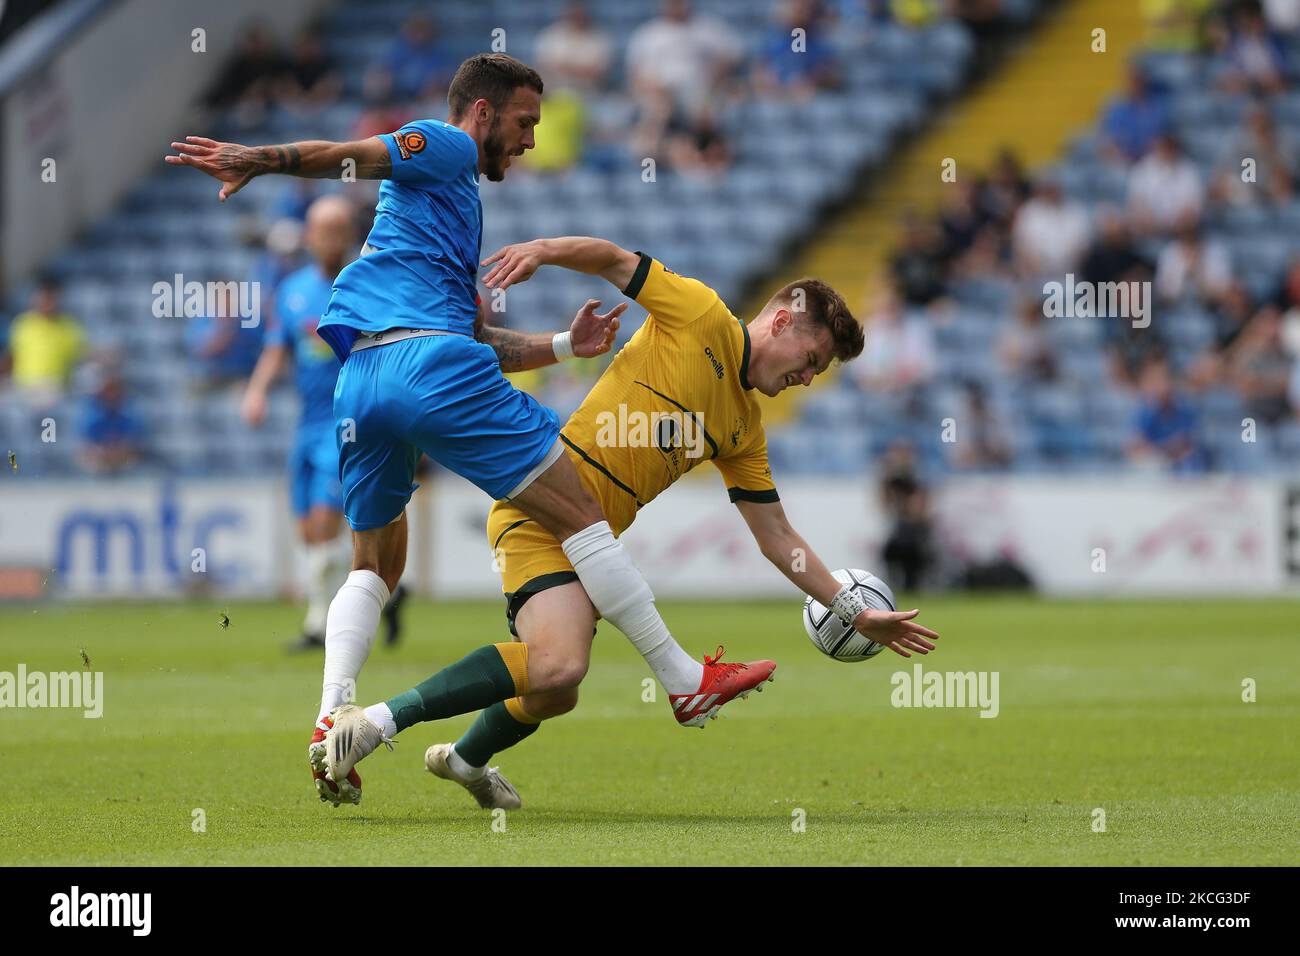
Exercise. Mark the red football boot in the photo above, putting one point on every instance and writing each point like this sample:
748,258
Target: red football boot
721,684
349,791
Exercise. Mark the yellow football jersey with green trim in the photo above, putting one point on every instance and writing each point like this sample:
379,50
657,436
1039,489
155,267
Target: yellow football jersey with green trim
673,398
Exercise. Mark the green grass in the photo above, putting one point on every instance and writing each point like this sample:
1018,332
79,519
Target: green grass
1131,707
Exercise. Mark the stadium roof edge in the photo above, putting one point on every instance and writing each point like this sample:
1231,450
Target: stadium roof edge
38,41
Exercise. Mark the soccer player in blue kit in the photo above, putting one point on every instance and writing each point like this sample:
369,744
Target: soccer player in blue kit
422,371
315,492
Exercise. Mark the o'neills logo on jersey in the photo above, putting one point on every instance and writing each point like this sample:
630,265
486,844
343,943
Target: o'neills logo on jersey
630,428
713,360
102,909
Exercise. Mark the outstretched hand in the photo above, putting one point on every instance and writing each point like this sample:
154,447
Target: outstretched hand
592,333
513,263
896,630
231,164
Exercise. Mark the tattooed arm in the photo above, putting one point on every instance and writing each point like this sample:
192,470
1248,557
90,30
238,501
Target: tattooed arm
590,334
517,351
235,166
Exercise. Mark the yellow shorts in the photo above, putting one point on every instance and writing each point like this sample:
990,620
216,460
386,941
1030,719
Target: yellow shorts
528,557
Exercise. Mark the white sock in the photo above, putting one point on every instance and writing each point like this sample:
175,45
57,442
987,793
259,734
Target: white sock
326,570
623,598
461,767
349,634
382,717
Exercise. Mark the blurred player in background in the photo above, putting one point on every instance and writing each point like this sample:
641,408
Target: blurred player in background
687,380
315,492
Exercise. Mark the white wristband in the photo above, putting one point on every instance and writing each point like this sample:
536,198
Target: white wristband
562,346
848,604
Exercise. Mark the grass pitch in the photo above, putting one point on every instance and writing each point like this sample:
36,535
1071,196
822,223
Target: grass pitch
1133,708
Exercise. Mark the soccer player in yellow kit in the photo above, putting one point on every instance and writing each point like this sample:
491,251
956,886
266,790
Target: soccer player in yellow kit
680,393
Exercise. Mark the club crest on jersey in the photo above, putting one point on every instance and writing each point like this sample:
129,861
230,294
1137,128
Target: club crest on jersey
408,144
738,431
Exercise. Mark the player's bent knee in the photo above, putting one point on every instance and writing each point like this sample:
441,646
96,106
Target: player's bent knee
567,674
552,704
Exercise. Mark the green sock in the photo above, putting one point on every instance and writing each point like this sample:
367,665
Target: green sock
493,731
477,680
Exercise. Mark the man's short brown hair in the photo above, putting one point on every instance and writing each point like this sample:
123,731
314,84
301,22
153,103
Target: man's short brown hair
812,300
490,76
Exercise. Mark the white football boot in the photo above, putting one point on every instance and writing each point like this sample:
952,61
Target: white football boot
353,737
492,790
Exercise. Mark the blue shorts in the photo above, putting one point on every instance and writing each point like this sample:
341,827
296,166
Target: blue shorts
314,470
443,395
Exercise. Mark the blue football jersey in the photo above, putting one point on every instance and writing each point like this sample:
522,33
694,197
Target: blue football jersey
419,267
300,302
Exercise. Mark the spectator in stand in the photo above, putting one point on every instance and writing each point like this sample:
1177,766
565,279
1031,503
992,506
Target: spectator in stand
419,68
222,349
1193,267
1287,298
900,354
310,83
1133,122
1249,59
1274,156
1113,256
1130,349
45,345
982,443
696,147
1232,314
381,111
970,241
1259,368
1283,16
558,143
1050,234
683,57
574,53
1004,190
918,267
250,80
1175,25
795,58
1164,189
112,435
1024,349
1166,427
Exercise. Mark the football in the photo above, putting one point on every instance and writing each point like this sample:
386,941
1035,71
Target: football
833,637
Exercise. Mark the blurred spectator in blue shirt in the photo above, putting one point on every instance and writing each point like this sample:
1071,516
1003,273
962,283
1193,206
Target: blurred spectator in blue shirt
1133,122
222,349
1165,429
794,57
112,435
419,67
